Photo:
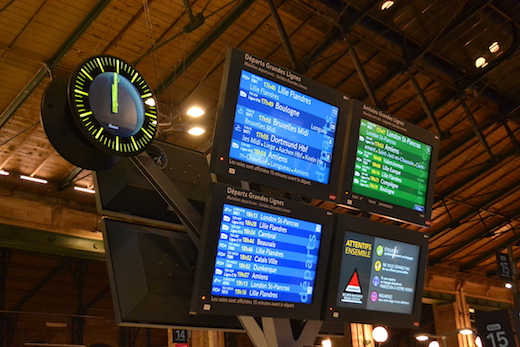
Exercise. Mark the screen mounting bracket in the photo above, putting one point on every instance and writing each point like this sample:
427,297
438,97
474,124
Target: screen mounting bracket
189,216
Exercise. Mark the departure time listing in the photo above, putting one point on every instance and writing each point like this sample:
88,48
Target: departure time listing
265,256
281,129
391,165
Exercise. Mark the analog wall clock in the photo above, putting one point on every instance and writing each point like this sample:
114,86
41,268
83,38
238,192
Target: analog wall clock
109,106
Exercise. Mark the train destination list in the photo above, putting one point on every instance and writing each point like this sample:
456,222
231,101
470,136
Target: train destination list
265,256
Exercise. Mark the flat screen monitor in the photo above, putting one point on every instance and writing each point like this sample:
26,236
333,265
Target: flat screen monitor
121,189
278,128
261,256
390,169
151,273
376,274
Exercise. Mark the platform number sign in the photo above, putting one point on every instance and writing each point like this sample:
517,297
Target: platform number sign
495,328
504,267
180,335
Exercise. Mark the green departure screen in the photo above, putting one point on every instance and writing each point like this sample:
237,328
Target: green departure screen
391,167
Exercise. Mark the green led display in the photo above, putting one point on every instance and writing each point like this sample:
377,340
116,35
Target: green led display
391,167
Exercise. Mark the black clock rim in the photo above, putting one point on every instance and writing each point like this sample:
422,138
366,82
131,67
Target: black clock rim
63,133
140,134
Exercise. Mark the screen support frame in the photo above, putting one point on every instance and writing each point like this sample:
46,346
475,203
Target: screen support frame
277,332
189,216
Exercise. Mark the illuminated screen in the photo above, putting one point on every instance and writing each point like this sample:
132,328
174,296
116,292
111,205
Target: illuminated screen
377,274
265,256
391,167
279,128
261,256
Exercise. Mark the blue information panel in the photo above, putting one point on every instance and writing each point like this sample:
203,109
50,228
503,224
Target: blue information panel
261,255
281,129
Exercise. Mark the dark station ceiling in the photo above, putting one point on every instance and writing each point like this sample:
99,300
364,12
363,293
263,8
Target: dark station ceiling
415,60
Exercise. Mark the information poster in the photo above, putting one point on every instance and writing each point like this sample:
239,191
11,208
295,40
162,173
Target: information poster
264,256
377,274
391,167
281,130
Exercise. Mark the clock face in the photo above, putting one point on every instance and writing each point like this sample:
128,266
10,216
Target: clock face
113,105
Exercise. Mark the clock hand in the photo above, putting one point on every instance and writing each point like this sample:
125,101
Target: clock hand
115,96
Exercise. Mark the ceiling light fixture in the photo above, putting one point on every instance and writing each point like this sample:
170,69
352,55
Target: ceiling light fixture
56,324
386,5
33,179
196,131
481,62
494,47
195,112
84,190
4,173
326,342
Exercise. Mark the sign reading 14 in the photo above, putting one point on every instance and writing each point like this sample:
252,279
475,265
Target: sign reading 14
113,105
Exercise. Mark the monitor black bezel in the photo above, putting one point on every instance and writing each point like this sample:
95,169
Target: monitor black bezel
135,304
368,227
374,205
220,162
207,255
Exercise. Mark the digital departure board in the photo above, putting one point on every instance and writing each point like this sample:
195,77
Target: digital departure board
377,273
278,128
262,256
390,166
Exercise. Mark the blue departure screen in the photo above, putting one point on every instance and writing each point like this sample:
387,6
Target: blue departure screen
265,256
283,130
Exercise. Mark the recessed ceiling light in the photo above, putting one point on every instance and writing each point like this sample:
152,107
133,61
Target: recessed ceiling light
4,173
33,179
494,47
195,112
481,62
196,131
386,5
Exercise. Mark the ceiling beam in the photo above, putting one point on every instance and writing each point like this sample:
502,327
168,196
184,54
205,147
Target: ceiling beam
52,62
424,103
476,237
348,18
492,251
483,170
361,72
41,241
282,33
40,285
475,126
219,29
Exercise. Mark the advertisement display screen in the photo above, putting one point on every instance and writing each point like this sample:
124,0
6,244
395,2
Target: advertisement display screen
377,273
279,129
262,256
390,166
388,267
